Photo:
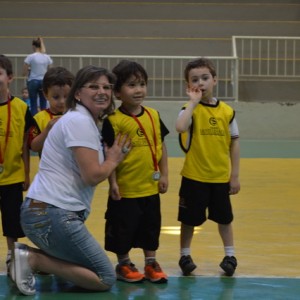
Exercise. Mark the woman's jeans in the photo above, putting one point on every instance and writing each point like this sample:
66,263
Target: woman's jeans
62,234
35,90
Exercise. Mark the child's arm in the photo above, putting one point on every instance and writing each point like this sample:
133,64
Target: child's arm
113,187
108,135
235,166
37,143
26,161
183,121
163,168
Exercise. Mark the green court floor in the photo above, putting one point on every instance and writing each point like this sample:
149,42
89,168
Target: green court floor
181,288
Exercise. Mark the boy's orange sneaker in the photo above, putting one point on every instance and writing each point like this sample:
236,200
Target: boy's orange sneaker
129,273
154,273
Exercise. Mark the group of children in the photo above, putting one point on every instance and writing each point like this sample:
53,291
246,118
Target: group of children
208,134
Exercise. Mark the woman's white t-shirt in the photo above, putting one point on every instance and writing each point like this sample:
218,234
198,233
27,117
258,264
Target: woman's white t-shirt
38,63
58,181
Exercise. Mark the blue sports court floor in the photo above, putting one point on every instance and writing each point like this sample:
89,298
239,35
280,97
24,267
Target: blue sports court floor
181,288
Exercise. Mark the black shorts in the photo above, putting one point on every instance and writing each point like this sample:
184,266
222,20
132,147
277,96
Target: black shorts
132,223
196,197
11,198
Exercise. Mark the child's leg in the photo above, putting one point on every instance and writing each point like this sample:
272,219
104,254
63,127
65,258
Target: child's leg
10,242
186,236
226,234
10,247
150,256
123,259
11,201
186,262
229,262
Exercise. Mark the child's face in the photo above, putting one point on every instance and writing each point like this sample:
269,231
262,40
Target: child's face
132,92
5,80
201,78
57,95
25,94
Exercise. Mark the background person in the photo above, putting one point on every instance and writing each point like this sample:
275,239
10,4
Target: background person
25,96
35,67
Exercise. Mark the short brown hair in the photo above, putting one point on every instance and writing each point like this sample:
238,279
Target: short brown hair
6,64
125,69
199,63
59,76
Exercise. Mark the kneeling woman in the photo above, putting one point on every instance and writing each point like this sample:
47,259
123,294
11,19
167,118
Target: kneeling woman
59,199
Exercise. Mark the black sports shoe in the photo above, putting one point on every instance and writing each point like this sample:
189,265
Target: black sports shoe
229,264
186,264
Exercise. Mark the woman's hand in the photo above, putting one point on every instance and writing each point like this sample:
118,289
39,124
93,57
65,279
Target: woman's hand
94,172
120,148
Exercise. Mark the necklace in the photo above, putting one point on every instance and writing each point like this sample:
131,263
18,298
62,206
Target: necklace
156,173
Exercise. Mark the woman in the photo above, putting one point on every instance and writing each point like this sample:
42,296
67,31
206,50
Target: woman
59,199
35,67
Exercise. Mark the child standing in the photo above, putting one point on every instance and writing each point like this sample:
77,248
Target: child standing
209,136
15,120
56,85
133,217
25,96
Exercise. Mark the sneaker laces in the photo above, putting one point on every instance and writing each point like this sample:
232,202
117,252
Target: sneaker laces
156,266
132,267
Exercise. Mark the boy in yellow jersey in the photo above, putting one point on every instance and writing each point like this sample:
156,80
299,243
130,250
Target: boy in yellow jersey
56,85
209,135
15,120
133,217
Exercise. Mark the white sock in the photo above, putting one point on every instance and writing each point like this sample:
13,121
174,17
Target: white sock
185,251
149,260
229,250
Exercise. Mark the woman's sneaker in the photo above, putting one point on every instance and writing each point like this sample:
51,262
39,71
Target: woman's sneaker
24,277
187,265
229,264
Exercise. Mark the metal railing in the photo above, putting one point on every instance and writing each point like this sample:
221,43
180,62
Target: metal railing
268,57
263,57
165,73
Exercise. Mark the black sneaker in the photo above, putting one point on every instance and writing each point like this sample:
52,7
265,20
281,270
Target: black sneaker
186,264
229,264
